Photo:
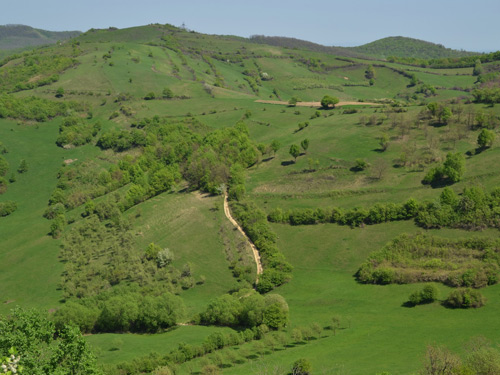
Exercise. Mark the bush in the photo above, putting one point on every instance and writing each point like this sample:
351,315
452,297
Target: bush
428,294
7,207
301,367
465,298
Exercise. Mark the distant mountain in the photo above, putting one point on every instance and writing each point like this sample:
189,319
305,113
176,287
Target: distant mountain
20,36
400,46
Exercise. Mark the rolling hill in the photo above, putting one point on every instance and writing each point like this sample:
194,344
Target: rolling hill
117,149
21,36
400,46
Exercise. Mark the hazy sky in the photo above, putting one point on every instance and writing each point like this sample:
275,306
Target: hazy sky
459,24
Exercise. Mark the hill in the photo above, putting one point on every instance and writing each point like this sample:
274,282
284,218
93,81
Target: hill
117,149
20,36
400,46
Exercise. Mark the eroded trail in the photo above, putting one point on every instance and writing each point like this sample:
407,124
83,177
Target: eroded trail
255,252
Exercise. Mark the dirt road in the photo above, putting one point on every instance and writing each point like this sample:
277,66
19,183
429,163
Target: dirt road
256,254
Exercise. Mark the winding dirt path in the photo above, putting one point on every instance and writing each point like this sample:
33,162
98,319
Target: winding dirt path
314,104
255,252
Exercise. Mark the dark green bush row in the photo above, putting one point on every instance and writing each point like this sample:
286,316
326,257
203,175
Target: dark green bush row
473,262
186,352
379,213
473,209
7,207
277,270
246,308
122,311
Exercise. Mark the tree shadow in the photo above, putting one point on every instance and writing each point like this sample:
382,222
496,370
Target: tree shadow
287,162
379,150
268,159
408,304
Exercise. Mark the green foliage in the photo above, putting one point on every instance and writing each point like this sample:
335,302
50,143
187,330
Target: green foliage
304,144
42,348
7,207
465,298
167,93
23,166
329,101
294,151
360,165
253,221
248,309
428,294
409,259
302,366
379,213
33,108
293,101
59,92
485,138
34,70
150,96
122,310
76,132
450,172
4,166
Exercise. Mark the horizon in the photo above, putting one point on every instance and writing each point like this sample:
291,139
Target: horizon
454,24
250,36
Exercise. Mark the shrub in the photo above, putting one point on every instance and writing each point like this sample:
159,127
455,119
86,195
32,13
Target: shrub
428,294
465,298
7,207
301,367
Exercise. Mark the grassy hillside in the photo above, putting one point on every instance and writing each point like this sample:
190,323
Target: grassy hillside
130,139
400,46
21,36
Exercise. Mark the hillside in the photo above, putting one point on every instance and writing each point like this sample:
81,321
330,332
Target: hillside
400,46
21,36
375,214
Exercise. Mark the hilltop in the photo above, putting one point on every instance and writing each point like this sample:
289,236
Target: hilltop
380,49
400,46
21,36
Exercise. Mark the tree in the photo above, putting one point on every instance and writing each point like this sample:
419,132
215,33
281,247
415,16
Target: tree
294,151
301,366
167,93
42,348
150,96
383,141
440,361
23,166
59,92
305,144
478,68
485,138
329,101
275,146
379,167
370,72
293,101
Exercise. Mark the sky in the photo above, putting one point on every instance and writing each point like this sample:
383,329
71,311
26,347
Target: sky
458,24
